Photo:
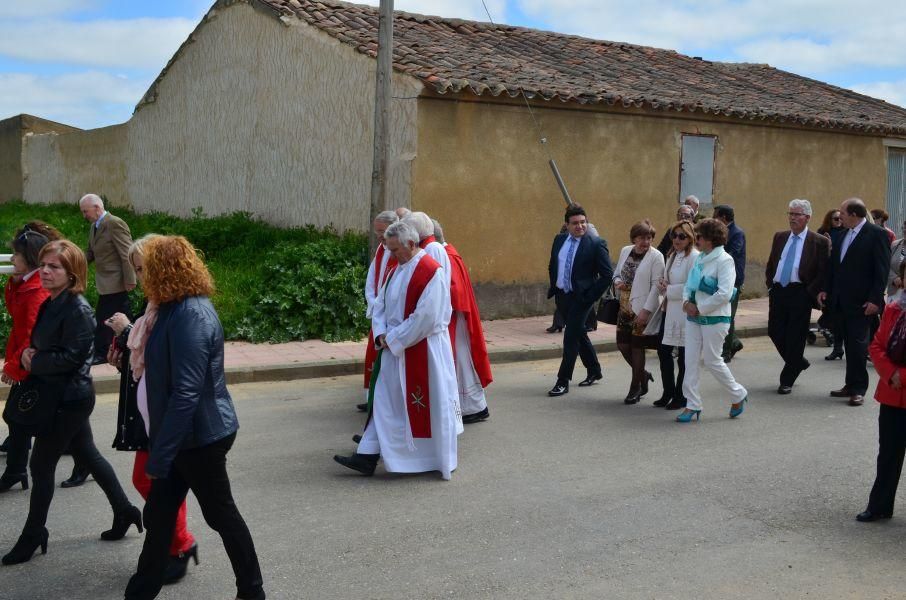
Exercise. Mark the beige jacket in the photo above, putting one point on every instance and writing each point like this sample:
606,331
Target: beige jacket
108,248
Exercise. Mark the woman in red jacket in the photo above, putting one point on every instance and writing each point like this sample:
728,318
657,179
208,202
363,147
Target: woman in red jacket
24,295
888,353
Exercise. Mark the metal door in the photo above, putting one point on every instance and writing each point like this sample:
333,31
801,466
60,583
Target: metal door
697,168
896,188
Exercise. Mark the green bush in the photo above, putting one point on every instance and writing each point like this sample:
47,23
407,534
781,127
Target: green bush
273,284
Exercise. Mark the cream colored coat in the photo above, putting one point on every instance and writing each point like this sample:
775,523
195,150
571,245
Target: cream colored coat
677,272
644,294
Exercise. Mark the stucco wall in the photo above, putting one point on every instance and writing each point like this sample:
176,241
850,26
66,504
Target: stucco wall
12,132
270,117
482,172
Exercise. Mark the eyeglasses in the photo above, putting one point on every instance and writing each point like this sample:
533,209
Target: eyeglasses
836,218
678,236
799,215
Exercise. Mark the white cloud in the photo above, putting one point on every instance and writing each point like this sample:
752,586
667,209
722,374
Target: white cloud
88,99
891,91
131,43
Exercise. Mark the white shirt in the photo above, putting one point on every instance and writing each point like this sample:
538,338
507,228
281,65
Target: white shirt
794,276
561,261
849,237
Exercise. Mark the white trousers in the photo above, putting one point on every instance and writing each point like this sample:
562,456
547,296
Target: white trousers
704,344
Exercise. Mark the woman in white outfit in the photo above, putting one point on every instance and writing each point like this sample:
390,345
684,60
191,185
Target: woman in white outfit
706,302
680,259
636,277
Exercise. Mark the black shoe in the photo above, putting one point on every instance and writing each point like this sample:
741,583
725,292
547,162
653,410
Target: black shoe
662,401
78,477
834,355
805,364
590,380
727,357
363,463
632,397
866,516
356,438
784,389
98,360
8,481
644,388
363,407
25,547
476,417
179,565
554,329
121,523
676,404
559,389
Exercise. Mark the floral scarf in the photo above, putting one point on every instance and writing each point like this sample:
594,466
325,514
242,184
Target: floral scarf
138,337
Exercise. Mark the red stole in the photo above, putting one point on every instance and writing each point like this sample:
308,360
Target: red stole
379,280
462,297
418,397
426,241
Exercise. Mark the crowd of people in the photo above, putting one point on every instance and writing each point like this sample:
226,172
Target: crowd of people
175,412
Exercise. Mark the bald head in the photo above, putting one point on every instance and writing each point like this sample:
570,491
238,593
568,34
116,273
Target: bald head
852,211
92,207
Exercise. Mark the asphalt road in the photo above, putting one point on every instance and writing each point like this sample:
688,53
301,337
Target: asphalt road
576,497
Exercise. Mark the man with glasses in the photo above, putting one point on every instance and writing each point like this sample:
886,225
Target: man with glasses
794,276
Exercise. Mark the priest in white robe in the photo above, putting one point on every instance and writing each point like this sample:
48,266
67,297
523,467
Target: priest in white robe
427,241
414,417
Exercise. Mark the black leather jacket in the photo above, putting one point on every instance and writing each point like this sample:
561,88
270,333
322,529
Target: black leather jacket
188,402
64,339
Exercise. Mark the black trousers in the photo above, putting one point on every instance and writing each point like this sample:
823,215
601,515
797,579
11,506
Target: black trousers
789,316
673,388
71,430
203,470
108,304
854,326
591,322
575,338
891,448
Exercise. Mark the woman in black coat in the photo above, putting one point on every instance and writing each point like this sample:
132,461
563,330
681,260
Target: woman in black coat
62,345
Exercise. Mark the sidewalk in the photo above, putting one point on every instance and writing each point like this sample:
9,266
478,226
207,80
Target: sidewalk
509,340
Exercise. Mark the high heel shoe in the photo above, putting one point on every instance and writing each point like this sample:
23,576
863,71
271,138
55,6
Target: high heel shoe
179,565
663,401
740,406
121,523
8,481
687,415
632,397
25,547
643,389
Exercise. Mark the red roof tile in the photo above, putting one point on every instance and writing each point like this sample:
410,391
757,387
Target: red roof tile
456,56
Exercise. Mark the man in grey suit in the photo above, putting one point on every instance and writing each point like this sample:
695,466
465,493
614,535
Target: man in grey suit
108,247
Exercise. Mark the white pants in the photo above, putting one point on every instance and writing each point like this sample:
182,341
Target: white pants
704,344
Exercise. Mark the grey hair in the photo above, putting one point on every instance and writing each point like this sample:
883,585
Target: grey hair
92,199
421,223
138,246
387,216
402,212
402,231
438,232
685,208
693,199
804,205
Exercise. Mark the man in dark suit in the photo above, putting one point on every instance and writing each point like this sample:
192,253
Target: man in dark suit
794,276
683,213
735,247
579,271
855,287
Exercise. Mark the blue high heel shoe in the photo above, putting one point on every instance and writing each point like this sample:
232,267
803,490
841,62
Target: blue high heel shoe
687,415
735,412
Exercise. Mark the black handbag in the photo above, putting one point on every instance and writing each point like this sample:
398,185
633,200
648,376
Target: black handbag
609,307
31,406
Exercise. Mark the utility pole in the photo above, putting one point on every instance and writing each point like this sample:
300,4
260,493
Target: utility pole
382,98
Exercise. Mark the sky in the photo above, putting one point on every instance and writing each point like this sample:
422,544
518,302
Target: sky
87,63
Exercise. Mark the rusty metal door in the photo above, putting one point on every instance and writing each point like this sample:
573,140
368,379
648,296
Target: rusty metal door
697,169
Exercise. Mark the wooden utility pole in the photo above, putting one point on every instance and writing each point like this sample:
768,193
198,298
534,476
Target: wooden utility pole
382,98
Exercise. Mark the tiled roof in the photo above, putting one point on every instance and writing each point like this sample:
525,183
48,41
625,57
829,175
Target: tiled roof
457,56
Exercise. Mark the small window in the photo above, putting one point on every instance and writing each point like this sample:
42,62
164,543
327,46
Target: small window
697,169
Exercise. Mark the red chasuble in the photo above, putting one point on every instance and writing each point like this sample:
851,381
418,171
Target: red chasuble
379,281
426,241
462,297
418,397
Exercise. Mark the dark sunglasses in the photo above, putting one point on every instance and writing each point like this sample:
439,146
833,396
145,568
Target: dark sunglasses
678,236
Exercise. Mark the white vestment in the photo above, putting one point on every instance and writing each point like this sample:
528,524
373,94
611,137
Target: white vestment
436,251
471,395
371,290
388,431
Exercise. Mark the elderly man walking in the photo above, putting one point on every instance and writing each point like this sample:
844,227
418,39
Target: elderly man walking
414,417
794,276
108,247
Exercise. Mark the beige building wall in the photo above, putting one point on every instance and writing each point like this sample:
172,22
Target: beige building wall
12,134
483,174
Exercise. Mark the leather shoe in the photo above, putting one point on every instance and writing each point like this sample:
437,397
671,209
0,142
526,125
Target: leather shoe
856,400
363,463
554,329
590,380
78,477
559,389
805,364
676,404
834,355
632,397
356,438
841,393
866,516
363,407
784,389
476,417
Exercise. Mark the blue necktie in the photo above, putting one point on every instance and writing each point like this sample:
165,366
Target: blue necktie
787,271
568,268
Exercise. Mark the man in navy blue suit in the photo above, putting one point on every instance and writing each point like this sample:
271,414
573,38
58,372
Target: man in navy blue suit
579,271
735,247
